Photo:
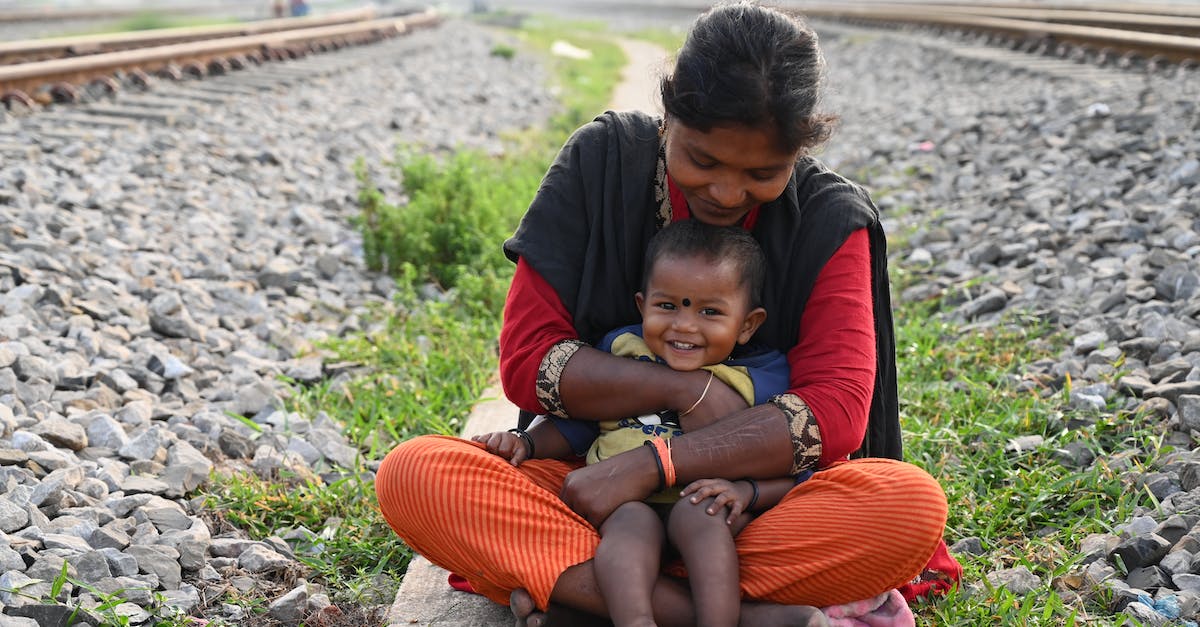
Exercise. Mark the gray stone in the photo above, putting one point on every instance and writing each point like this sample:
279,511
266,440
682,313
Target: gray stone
291,607
145,446
121,564
1189,582
127,587
1140,551
91,566
140,484
259,559
1149,578
61,432
105,431
54,615
1145,615
12,516
161,561
105,537
969,546
1019,580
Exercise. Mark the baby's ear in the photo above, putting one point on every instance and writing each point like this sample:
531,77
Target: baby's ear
753,320
639,299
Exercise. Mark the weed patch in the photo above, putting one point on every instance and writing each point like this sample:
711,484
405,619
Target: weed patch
964,401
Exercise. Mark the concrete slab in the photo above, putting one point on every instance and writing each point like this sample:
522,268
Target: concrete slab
425,597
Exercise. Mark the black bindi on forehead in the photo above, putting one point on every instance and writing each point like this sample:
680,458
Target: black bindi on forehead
687,302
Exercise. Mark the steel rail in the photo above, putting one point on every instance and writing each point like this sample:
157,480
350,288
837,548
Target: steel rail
1148,22
28,78
51,14
1182,10
24,51
1166,46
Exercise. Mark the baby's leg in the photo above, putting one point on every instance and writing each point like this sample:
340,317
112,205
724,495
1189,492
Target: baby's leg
705,542
627,563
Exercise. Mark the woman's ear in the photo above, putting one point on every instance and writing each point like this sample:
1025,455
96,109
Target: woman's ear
753,320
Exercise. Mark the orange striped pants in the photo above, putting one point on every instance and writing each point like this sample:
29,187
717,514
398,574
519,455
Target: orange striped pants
850,532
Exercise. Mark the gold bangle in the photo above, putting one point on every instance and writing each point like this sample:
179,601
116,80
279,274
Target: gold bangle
711,374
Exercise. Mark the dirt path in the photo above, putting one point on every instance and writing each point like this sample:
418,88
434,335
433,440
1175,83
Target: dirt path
639,86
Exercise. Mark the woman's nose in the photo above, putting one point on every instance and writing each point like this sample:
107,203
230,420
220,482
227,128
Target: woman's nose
727,193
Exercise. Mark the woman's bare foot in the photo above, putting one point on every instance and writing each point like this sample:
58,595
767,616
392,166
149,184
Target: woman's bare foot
775,615
528,615
524,610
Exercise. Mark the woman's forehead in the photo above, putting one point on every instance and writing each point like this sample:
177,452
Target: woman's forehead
752,147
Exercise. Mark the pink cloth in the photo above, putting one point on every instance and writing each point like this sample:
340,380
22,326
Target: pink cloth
886,610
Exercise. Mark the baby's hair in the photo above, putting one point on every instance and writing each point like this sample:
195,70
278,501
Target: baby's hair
713,244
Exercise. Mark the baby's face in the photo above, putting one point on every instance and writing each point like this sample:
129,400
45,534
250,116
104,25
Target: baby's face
694,311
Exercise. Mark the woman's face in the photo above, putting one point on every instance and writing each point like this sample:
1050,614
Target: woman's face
728,170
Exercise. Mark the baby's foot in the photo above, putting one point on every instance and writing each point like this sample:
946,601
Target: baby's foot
524,610
776,615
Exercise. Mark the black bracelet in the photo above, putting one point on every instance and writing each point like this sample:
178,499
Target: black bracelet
524,435
754,498
662,473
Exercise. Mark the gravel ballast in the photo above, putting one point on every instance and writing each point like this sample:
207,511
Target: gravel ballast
157,279
158,282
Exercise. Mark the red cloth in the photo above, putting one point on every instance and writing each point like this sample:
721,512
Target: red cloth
460,583
941,575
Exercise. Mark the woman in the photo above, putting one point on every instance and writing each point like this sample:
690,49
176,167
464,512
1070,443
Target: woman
731,150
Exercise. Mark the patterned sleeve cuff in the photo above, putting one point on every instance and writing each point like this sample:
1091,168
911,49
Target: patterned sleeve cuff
806,436
550,373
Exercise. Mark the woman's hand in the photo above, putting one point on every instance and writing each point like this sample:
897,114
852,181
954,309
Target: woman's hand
504,444
731,495
594,491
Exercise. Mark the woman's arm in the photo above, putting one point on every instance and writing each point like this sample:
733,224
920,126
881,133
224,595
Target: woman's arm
765,441
587,384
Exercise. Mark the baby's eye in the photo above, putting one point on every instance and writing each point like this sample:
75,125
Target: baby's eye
667,306
709,311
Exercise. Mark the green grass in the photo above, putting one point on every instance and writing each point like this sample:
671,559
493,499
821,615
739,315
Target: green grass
960,407
422,366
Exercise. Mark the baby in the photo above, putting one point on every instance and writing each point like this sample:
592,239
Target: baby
700,305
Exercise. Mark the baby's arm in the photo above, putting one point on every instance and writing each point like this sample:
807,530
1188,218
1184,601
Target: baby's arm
540,441
743,495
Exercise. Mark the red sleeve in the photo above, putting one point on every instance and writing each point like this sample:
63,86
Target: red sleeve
534,320
833,365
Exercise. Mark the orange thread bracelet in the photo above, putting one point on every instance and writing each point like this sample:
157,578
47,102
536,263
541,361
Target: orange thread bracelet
663,448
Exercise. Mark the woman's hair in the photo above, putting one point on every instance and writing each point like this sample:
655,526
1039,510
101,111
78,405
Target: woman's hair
747,64
692,239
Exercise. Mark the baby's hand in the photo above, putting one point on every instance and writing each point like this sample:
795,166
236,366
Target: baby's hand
725,494
508,445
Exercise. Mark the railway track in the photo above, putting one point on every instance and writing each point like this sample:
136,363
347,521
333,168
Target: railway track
1154,34
67,68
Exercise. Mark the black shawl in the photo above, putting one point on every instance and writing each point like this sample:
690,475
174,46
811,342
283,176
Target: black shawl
587,228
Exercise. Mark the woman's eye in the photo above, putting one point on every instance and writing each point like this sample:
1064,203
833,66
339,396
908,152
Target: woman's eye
702,165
